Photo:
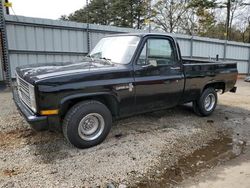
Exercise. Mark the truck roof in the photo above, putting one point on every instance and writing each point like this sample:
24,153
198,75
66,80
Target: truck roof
140,34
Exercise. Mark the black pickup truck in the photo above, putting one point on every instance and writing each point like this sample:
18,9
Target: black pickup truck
123,75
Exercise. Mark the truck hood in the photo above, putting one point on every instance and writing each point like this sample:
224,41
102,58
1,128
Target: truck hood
34,72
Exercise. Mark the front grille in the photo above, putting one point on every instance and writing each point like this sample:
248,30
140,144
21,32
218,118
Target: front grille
23,90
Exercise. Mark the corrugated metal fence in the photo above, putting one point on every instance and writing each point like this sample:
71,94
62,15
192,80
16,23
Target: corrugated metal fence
35,40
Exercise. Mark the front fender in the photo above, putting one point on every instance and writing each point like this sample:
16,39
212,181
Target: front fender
64,103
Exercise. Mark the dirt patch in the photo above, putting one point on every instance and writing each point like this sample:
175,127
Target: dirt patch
11,172
19,137
211,154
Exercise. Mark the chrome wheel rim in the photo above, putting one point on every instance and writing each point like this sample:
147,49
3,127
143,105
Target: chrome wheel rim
91,126
209,102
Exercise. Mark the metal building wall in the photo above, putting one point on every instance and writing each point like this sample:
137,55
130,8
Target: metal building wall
35,40
206,48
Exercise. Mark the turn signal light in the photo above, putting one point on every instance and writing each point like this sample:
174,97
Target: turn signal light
49,112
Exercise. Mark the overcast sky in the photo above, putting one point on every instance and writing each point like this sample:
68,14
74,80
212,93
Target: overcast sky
51,9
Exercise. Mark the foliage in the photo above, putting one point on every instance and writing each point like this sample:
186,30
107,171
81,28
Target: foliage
168,14
204,11
193,17
130,13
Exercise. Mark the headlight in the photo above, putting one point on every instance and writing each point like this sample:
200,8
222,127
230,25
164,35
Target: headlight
32,98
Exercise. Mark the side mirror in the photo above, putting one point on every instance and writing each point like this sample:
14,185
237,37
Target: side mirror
150,63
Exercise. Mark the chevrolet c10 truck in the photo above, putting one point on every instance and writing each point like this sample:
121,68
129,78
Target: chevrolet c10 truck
123,75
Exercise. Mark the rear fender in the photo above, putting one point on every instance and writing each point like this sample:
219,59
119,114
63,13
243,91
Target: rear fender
216,85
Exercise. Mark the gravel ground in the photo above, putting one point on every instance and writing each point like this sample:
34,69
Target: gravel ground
132,152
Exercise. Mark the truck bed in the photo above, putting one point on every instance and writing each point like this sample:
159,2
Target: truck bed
199,72
196,60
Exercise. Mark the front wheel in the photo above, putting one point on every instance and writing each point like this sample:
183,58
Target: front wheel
205,105
87,124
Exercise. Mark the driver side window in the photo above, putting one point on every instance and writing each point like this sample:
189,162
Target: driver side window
157,52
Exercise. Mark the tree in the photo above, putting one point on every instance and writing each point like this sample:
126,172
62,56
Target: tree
188,16
210,18
130,13
189,23
98,10
236,11
168,14
204,14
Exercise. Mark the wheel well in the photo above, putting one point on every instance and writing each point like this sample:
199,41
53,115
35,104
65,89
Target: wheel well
107,100
216,86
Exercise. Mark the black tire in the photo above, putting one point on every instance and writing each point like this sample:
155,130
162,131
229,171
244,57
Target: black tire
73,120
196,108
199,105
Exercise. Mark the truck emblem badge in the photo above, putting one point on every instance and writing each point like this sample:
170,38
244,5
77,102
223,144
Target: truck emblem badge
123,87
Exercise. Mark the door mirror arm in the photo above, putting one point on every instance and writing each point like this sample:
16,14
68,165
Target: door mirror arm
147,65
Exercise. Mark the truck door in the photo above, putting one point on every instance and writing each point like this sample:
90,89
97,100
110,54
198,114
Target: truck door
159,79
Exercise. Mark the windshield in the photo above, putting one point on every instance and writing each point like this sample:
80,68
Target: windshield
118,49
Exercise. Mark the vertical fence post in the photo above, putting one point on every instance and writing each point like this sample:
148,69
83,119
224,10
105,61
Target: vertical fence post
5,52
88,39
191,46
248,72
225,51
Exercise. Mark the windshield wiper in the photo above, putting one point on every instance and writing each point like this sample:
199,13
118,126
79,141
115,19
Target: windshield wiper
107,60
104,58
89,56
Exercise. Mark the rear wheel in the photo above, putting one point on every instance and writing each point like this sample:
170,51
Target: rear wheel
87,124
205,105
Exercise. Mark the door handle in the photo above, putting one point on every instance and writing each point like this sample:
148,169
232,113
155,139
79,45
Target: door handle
175,68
